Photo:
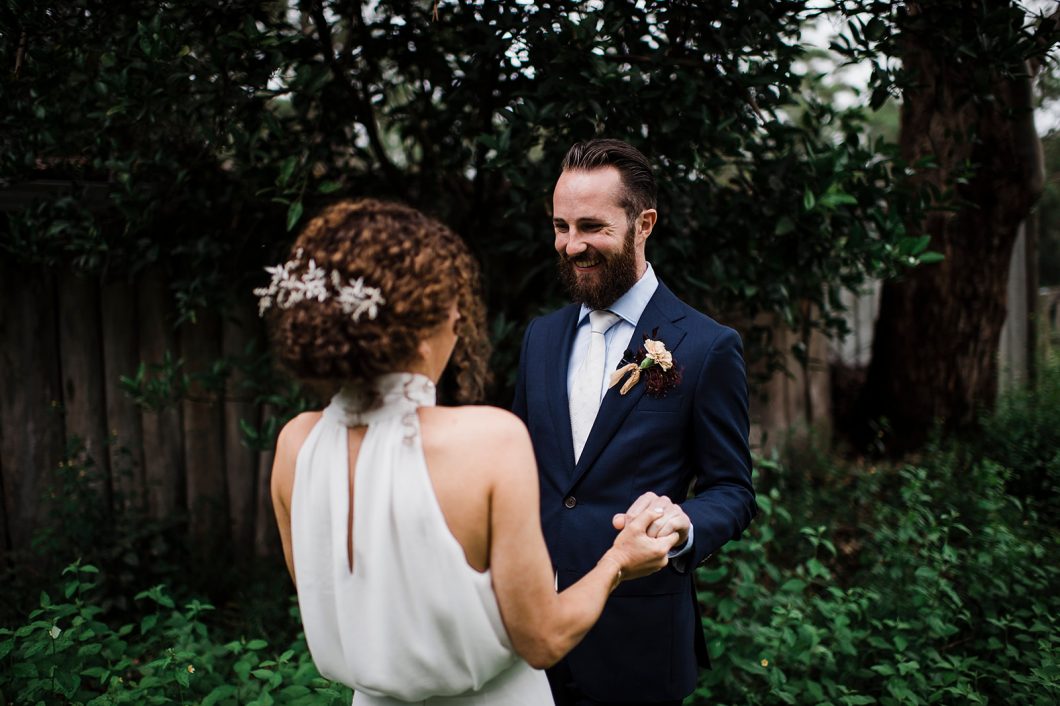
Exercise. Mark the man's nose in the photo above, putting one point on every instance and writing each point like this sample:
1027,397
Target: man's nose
575,245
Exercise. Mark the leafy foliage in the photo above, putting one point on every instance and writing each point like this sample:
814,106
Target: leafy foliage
922,583
211,130
67,654
1023,435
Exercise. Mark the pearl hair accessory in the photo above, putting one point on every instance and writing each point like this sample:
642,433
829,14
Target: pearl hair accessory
288,289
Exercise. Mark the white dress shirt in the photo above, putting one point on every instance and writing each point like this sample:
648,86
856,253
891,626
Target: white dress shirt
629,307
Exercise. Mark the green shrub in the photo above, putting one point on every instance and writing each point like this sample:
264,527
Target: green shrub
925,583
66,653
1023,434
938,588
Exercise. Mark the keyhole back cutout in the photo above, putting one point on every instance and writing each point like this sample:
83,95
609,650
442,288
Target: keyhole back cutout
354,439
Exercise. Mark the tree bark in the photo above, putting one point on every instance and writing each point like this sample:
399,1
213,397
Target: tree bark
936,340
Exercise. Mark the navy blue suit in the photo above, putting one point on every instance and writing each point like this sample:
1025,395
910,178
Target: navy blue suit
693,440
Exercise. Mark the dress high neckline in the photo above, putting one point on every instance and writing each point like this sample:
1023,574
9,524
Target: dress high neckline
390,395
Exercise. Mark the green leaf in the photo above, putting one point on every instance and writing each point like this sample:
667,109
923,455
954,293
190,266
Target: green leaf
808,200
875,29
286,170
930,257
294,213
329,187
221,692
257,645
835,199
785,225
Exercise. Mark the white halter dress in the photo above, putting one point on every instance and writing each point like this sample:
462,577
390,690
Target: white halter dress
413,622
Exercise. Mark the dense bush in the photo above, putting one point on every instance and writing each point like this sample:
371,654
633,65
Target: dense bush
928,582
1023,434
919,584
67,653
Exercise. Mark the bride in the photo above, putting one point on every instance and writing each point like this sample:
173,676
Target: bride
412,531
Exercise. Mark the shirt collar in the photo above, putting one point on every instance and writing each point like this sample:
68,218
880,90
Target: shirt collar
632,304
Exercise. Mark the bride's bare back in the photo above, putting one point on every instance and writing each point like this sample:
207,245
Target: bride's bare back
482,469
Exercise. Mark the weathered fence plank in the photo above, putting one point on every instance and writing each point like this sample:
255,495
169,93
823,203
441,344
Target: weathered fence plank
791,402
241,462
5,538
200,346
121,357
162,432
266,537
81,368
31,423
1013,352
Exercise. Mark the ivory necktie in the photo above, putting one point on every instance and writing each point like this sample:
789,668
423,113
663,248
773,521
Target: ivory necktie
589,380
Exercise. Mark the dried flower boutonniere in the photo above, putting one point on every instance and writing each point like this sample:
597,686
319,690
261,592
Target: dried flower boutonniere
652,362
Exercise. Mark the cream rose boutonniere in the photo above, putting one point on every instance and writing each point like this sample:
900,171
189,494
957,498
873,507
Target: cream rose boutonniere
653,363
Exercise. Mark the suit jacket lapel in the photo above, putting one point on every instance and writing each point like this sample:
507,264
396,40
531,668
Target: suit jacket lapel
662,311
559,352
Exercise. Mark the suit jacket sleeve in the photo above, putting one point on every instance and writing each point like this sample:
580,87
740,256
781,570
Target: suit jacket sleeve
724,501
519,403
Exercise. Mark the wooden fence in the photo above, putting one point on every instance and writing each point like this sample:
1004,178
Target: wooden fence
65,343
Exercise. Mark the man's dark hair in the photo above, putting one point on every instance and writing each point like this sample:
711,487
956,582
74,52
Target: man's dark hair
637,179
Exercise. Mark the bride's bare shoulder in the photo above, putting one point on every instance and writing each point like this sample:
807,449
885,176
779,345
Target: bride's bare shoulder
486,428
294,433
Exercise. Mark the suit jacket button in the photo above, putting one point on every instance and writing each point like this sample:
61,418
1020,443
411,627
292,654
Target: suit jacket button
570,502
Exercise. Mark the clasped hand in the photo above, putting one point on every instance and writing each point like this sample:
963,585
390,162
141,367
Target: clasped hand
669,517
648,531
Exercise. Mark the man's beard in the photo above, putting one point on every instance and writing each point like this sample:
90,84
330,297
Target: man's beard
617,274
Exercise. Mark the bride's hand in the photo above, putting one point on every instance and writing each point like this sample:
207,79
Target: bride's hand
635,552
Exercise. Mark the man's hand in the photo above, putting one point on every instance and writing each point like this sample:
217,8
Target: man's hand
672,519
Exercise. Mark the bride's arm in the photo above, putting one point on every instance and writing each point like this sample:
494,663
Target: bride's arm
289,441
543,625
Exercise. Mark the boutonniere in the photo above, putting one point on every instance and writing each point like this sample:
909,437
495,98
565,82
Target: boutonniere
653,363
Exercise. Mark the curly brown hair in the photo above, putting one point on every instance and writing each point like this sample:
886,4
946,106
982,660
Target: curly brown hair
421,268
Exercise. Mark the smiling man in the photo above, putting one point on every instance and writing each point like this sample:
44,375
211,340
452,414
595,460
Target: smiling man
634,400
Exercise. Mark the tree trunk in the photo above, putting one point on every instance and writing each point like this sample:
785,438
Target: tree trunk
936,341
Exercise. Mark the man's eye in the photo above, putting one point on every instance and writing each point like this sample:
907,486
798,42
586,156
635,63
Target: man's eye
560,227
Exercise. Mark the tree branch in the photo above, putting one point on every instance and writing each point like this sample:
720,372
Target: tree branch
361,102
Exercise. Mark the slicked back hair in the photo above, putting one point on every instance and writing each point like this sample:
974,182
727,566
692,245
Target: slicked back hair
639,191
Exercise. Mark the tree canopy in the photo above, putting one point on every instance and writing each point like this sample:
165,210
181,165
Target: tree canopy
216,127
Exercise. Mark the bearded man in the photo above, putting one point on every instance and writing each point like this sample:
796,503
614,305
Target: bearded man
634,401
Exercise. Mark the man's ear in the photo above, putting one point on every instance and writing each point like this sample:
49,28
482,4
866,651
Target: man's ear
646,223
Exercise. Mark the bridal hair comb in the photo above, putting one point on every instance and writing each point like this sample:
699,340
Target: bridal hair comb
288,289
